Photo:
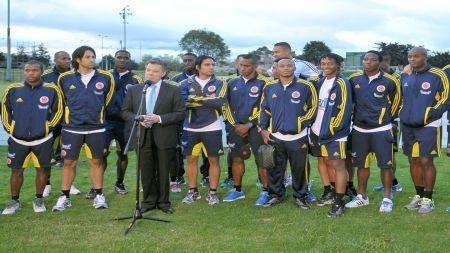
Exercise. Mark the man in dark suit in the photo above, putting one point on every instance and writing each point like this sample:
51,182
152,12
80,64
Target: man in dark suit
162,110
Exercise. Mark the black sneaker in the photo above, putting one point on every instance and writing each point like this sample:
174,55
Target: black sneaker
180,180
205,182
326,199
91,194
120,188
302,203
336,211
273,201
351,192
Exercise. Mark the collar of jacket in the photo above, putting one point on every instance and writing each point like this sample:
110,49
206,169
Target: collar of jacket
293,81
427,67
79,74
192,79
33,87
380,76
116,73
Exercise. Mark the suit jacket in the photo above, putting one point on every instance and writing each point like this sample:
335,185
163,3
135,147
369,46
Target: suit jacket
169,106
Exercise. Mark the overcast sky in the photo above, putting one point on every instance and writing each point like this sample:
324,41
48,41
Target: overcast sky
156,26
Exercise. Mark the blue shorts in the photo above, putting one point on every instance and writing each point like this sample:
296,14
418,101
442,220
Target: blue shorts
334,150
19,155
421,142
71,144
211,141
372,146
236,142
115,131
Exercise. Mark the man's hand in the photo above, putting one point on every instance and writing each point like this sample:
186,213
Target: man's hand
241,129
408,69
153,118
266,136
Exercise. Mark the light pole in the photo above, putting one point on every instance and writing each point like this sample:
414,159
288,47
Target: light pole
8,54
125,13
102,36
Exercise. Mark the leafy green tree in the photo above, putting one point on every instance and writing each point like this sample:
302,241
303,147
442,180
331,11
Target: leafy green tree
313,50
439,59
41,54
107,62
133,65
264,54
203,42
398,52
20,57
145,59
173,62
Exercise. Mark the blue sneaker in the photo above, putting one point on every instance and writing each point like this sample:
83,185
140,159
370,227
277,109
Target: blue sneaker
310,196
397,188
378,188
448,209
262,199
234,195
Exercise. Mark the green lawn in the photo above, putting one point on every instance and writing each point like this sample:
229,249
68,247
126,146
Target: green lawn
231,227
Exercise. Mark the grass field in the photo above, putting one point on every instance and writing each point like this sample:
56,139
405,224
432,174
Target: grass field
232,227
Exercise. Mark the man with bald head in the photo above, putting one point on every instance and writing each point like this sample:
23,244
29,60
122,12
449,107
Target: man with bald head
303,69
425,99
287,109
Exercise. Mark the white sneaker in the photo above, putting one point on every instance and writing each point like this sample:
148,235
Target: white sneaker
386,206
100,202
358,201
12,207
62,203
38,205
47,191
175,187
74,190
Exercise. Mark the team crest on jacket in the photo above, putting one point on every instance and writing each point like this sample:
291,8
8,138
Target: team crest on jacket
43,100
295,94
254,89
99,85
333,96
426,85
212,88
381,88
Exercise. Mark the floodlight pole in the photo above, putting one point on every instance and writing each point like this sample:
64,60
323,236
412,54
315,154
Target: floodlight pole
125,13
103,62
8,45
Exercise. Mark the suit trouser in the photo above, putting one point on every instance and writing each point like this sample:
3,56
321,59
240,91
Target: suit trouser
155,167
296,153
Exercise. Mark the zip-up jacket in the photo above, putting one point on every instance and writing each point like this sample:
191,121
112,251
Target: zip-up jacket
425,96
289,110
204,106
180,77
122,83
244,99
337,117
51,75
30,113
375,103
85,105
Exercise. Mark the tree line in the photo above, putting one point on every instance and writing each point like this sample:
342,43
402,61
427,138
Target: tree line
204,42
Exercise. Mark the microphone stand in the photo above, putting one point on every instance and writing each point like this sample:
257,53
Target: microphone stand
137,210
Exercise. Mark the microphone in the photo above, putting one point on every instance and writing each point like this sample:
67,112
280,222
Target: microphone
147,84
